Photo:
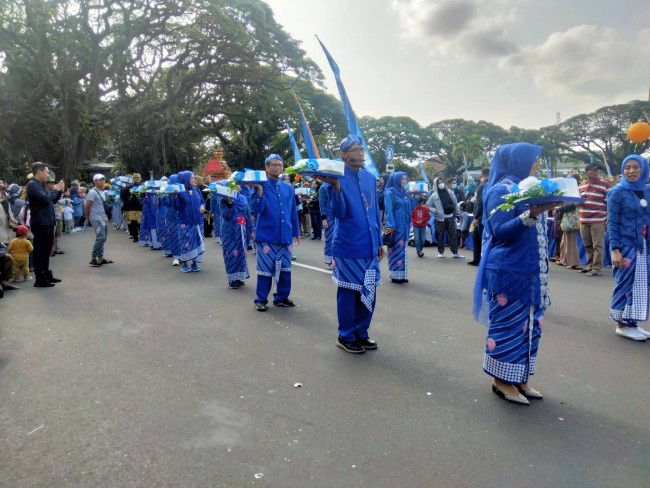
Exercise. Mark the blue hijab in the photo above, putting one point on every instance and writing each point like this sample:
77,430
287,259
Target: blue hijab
512,162
394,184
640,184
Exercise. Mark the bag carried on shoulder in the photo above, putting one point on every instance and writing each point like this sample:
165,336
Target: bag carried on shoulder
107,206
570,221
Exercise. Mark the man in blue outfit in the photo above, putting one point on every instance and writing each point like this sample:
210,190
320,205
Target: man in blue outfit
357,247
277,225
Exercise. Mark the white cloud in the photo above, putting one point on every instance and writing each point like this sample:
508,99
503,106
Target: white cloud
585,63
464,29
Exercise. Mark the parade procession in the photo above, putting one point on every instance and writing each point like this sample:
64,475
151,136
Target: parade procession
214,272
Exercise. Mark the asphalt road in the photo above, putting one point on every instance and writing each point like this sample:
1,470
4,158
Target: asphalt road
136,375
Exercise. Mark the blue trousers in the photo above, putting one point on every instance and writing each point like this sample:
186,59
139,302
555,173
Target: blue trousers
354,317
419,236
264,284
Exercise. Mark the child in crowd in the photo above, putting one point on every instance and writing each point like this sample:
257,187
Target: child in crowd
464,224
420,219
19,248
68,217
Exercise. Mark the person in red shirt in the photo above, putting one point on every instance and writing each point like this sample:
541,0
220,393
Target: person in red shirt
593,212
420,219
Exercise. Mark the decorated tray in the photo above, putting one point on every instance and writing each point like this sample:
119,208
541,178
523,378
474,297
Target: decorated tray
550,199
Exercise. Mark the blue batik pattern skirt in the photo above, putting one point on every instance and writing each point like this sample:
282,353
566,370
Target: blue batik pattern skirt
513,339
272,259
359,274
397,269
192,247
329,237
234,255
630,297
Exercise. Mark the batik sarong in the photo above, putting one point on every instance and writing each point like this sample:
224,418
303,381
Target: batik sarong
329,237
630,297
192,247
397,269
272,259
234,255
512,342
360,274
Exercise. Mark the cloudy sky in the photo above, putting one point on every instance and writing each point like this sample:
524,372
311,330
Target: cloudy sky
511,62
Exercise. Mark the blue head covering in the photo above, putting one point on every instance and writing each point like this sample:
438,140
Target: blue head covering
512,162
184,178
640,184
394,183
350,141
271,158
173,179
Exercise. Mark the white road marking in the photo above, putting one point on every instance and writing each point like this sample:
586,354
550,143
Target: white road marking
312,267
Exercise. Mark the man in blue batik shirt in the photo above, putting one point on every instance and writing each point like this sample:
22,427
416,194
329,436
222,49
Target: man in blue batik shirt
357,247
277,225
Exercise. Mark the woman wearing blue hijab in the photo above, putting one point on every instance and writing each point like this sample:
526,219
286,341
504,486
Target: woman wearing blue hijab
512,280
628,220
190,206
236,226
397,205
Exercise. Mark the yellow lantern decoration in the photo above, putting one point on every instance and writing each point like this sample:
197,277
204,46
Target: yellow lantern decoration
639,132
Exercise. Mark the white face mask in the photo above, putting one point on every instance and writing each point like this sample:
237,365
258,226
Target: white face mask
441,186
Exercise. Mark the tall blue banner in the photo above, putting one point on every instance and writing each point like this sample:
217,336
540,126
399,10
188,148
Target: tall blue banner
353,126
296,152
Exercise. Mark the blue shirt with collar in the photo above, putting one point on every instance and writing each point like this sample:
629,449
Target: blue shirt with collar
357,229
275,210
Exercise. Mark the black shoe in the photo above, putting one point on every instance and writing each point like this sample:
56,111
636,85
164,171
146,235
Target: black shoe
351,347
472,263
43,284
2,293
9,286
368,343
395,280
240,283
260,307
233,284
284,303
52,279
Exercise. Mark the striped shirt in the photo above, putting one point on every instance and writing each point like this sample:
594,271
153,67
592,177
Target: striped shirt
594,209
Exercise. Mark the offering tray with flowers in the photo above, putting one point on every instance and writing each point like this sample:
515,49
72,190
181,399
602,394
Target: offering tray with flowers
532,191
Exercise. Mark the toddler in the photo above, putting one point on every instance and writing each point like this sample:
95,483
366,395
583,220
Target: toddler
68,217
19,248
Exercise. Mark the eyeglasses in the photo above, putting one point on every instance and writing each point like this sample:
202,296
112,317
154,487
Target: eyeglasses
275,164
355,150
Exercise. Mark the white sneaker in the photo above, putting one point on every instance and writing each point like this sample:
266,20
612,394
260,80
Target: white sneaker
631,333
457,256
440,255
644,332
176,262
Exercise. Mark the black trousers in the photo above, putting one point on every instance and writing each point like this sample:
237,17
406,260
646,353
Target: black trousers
477,235
43,237
447,226
134,229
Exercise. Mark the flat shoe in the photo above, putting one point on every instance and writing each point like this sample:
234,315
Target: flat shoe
520,399
531,393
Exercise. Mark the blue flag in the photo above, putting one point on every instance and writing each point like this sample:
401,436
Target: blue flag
353,126
296,152
424,173
307,137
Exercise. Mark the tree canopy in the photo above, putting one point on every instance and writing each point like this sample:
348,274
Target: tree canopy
159,84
